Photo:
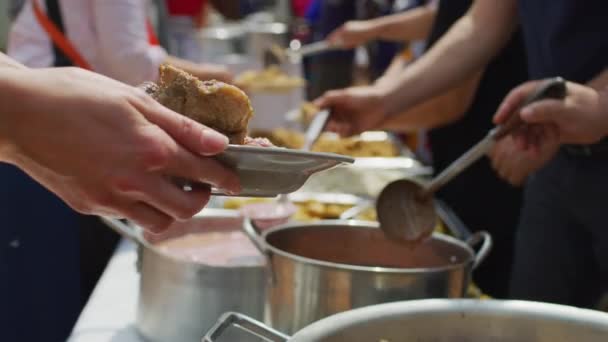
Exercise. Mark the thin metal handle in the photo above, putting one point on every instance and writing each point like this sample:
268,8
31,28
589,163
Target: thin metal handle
554,88
486,246
245,323
125,230
352,212
254,234
312,48
459,165
315,129
451,220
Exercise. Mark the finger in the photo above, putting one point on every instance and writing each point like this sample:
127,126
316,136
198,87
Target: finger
195,137
329,99
206,170
163,194
147,217
513,100
543,111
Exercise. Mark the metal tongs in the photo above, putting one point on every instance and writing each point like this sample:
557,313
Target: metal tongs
405,207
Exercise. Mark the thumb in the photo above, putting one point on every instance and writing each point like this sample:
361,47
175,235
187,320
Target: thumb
546,111
197,138
329,99
513,100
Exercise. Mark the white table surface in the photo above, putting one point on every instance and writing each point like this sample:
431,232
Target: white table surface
110,312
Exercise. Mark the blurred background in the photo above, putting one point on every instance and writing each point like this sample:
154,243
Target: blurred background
3,23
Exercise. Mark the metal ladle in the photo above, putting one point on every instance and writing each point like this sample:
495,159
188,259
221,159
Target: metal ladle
405,208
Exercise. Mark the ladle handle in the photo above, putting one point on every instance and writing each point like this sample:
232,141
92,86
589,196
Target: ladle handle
554,88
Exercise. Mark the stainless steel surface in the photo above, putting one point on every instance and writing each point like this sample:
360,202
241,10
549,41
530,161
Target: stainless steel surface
315,129
310,49
320,269
404,215
180,300
262,36
248,324
405,208
354,211
440,320
270,171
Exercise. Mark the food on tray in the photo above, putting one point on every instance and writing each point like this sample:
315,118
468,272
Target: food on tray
213,248
282,137
218,105
314,210
308,111
269,79
358,146
306,211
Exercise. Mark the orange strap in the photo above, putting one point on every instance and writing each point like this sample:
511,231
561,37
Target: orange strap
59,38
61,41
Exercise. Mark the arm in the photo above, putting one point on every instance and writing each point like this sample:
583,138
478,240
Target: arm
106,148
411,25
6,61
437,111
467,47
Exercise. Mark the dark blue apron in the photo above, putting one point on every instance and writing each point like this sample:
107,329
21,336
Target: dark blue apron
50,256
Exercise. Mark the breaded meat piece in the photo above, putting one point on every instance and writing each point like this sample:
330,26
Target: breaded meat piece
215,104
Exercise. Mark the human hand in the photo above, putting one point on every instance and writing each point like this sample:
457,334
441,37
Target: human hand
514,165
352,34
581,118
353,110
106,148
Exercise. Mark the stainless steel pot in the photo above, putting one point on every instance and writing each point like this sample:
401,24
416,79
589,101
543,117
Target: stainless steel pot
441,320
262,35
180,300
321,269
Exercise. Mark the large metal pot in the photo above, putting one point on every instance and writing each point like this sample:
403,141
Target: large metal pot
321,269
180,300
441,320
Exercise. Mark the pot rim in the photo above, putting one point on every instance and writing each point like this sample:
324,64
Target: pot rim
366,225
490,307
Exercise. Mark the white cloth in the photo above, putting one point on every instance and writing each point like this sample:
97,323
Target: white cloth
111,36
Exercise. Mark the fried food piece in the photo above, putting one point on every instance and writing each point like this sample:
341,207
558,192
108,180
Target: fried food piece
218,105
271,79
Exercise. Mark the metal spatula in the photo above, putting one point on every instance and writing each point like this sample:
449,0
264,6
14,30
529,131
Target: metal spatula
405,207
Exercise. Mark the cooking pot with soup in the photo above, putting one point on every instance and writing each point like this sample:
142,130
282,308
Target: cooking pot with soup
324,268
193,273
440,320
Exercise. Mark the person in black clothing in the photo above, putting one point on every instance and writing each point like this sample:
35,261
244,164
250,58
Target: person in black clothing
561,247
452,135
481,199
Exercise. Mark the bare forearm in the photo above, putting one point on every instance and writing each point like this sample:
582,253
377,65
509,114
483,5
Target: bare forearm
6,61
438,111
414,24
471,43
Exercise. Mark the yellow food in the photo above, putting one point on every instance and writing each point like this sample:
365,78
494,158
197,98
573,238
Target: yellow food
269,79
353,146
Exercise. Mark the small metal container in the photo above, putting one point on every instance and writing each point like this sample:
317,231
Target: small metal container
324,268
180,300
442,320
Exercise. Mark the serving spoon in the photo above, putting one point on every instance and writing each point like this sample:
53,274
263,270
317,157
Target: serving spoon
405,208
